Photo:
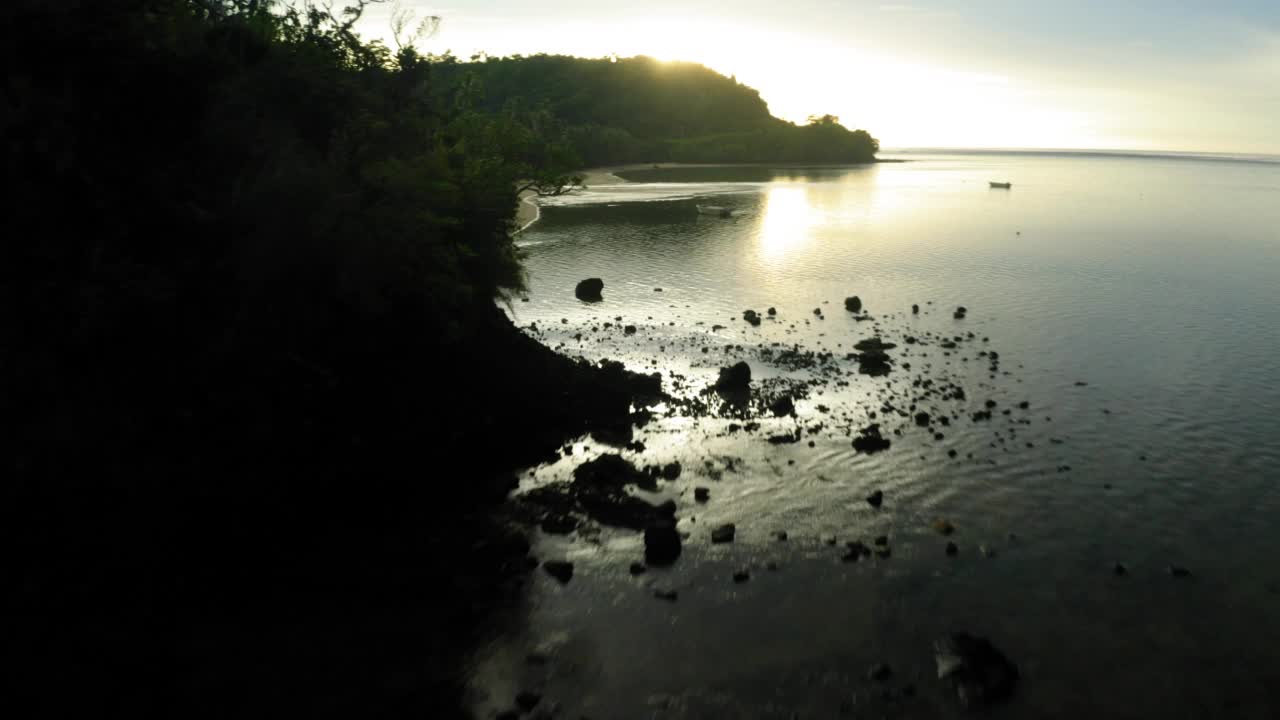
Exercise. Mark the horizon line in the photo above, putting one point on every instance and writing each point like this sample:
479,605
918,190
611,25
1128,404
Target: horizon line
1260,157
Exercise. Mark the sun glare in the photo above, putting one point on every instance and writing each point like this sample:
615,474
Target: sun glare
786,221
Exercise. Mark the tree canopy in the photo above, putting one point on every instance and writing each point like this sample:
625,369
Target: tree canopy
620,110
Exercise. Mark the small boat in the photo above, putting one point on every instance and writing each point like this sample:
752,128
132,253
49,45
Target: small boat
1001,185
717,210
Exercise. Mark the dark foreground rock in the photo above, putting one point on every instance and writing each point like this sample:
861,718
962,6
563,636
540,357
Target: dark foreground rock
853,304
612,471
599,491
783,405
875,499
724,534
661,543
980,674
873,357
559,569
589,290
870,440
734,377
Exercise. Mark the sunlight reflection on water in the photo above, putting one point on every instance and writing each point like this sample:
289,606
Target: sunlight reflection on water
1152,280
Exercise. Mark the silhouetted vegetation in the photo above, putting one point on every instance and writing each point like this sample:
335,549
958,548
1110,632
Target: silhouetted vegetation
256,379
258,384
642,110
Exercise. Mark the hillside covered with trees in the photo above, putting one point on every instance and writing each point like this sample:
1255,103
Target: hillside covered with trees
252,364
640,109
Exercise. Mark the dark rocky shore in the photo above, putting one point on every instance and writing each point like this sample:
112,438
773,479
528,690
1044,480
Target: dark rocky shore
309,541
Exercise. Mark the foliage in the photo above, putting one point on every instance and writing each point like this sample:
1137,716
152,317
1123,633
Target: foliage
643,110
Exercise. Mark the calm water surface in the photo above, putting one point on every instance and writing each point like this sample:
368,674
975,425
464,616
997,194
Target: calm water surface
1153,280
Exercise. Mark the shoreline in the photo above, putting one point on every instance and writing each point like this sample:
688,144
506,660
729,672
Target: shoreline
529,212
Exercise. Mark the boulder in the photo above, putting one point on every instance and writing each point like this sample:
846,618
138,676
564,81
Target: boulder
661,543
980,674
734,377
701,494
783,405
589,290
870,440
875,499
853,304
559,569
724,533
752,317
528,700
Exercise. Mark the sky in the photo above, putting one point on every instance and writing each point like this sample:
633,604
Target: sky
1155,75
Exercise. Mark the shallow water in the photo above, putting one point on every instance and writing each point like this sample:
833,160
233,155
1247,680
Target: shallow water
1151,279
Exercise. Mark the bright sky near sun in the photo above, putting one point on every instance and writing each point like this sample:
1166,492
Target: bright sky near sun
1178,75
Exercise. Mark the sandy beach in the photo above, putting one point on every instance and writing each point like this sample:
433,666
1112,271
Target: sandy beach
528,212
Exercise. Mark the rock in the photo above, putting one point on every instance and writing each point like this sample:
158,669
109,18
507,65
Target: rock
781,535
856,551
882,540
612,471
875,499
817,311
671,471
752,317
734,377
772,311
880,672
668,595
943,526
873,358
589,290
952,549
638,568
785,438
1178,571
629,330
1024,405
870,440
782,406
960,312
742,576
724,533
922,419
528,700
661,543
915,309
980,674
701,494
853,304
559,569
